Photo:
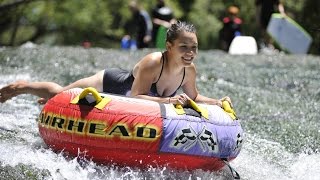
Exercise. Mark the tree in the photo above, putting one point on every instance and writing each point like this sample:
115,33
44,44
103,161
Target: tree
69,22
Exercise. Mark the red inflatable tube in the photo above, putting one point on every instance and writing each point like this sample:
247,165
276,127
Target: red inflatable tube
125,131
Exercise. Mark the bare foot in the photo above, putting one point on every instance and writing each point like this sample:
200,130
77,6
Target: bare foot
12,90
42,100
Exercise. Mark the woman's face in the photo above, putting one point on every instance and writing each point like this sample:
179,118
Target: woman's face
185,47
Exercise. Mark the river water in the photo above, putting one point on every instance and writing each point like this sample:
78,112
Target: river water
276,96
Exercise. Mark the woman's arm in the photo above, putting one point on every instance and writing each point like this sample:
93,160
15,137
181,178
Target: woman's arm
189,87
204,99
146,72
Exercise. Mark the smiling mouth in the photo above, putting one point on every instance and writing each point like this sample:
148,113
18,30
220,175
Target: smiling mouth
187,59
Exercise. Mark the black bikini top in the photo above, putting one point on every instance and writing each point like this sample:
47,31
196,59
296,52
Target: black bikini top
153,90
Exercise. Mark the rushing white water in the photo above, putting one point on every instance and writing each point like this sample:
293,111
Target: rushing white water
269,152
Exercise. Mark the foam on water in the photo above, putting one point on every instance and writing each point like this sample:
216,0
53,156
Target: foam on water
264,159
306,167
276,97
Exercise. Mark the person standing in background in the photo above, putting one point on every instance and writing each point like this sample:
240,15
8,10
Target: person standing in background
142,25
264,10
161,16
231,28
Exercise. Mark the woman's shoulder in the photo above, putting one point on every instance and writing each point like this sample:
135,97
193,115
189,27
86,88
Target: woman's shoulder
153,56
149,62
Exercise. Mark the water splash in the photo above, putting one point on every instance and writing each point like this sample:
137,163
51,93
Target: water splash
276,97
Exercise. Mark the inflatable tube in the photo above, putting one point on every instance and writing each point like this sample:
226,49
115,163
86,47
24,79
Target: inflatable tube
139,133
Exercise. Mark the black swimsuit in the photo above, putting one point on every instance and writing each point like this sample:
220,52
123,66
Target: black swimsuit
119,81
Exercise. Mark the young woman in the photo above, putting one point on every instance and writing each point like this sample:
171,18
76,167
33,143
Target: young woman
156,77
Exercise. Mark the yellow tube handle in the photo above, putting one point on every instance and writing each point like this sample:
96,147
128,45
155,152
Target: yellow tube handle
228,109
203,111
100,102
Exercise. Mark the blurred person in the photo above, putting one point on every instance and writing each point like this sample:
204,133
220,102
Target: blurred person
86,44
231,27
264,10
142,25
161,15
127,43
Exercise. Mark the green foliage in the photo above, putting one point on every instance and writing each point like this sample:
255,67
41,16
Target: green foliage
208,25
70,22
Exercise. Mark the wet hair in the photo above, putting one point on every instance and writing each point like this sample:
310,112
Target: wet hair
178,27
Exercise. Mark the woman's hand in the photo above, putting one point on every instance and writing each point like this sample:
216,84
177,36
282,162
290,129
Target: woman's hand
217,102
181,99
226,98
